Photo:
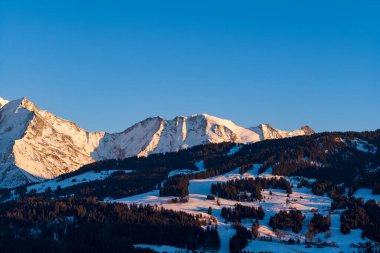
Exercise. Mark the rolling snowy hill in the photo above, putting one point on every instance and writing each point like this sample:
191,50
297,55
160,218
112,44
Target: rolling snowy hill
37,145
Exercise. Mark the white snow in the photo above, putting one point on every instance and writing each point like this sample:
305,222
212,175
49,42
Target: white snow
71,181
267,132
162,248
366,194
200,165
37,145
234,150
301,199
157,135
181,172
3,102
363,146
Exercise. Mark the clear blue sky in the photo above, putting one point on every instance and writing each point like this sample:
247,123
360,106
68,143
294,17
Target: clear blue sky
108,64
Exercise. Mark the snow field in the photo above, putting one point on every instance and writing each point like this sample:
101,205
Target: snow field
301,199
71,181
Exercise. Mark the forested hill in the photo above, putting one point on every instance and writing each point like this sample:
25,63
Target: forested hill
130,202
352,158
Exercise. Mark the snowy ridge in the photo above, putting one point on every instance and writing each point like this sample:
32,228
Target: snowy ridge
266,132
37,145
157,135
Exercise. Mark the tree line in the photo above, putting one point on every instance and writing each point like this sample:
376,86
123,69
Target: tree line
249,189
77,223
239,212
175,186
359,214
292,219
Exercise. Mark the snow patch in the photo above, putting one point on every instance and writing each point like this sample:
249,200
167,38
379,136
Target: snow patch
234,150
366,194
364,146
71,181
181,172
161,248
200,165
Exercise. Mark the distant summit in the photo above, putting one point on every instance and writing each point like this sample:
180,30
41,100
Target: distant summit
266,132
3,102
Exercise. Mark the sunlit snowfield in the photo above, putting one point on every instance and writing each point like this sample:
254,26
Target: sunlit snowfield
301,199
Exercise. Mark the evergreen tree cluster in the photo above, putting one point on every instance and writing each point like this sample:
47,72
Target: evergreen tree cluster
240,240
320,187
365,216
319,223
175,186
249,189
240,212
376,188
287,220
75,223
236,189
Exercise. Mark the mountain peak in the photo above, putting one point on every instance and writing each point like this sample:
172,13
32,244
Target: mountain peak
266,131
3,102
264,125
201,115
25,103
307,130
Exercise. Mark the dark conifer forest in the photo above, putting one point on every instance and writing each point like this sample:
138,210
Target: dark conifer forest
55,221
249,189
75,224
239,212
287,220
328,157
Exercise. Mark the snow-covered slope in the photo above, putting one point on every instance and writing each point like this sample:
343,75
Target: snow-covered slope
136,140
35,144
157,135
274,200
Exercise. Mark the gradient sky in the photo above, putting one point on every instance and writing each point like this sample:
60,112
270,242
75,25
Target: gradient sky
108,64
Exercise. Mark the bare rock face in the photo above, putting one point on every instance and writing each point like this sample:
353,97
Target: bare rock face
37,145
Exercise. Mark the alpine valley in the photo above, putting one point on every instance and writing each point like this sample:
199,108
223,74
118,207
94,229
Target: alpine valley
191,184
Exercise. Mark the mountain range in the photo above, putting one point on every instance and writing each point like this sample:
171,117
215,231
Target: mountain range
36,145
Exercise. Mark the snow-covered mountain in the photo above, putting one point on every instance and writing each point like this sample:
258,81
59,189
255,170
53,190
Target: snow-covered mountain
35,144
3,102
157,135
